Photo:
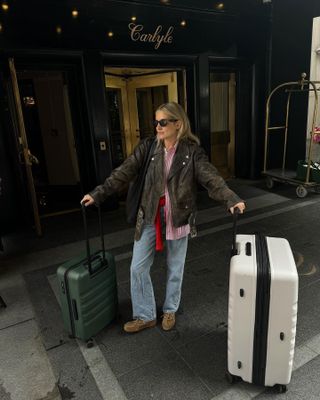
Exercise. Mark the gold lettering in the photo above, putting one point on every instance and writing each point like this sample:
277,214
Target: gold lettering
156,33
135,31
155,37
168,38
144,37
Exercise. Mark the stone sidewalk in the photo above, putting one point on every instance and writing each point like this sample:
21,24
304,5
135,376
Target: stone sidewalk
40,361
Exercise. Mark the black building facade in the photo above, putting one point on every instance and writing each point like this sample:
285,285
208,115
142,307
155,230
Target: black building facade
80,81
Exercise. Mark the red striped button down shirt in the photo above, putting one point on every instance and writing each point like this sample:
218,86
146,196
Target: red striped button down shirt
172,233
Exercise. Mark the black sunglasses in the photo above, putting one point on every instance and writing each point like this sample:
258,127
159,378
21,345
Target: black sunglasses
163,122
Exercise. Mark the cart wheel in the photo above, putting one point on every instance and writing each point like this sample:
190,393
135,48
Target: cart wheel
90,343
301,191
281,388
230,378
269,182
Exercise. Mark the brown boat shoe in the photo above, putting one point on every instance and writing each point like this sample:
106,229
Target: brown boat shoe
138,325
168,321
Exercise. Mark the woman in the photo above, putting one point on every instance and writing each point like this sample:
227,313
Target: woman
177,165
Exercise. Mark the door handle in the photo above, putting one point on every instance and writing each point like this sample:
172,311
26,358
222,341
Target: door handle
32,159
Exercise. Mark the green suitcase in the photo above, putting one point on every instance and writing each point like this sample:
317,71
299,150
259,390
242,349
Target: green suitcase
88,290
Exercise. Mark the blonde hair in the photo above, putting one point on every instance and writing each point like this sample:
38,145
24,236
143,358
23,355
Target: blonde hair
175,111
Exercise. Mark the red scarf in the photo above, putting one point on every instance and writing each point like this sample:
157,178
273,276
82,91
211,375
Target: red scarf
159,241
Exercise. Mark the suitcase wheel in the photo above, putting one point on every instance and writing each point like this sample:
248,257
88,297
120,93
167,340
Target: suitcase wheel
90,343
281,388
231,378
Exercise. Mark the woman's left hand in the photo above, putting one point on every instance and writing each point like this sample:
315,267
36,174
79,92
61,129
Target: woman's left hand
240,206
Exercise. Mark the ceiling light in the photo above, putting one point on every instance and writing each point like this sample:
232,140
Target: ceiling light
5,6
133,18
165,1
59,30
220,6
75,13
110,34
183,23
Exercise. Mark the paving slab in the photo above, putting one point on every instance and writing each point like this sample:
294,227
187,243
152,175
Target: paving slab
208,359
125,352
48,313
73,375
308,323
19,308
165,377
25,370
305,384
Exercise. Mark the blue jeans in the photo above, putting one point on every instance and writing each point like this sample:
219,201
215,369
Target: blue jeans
142,295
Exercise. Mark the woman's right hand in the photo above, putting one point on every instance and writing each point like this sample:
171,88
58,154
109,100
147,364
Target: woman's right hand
87,200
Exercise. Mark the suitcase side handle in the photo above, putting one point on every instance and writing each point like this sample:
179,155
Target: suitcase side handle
84,215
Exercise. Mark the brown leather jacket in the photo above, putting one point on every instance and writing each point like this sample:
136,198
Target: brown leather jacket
190,166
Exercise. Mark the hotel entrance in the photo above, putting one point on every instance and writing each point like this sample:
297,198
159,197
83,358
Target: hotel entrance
133,94
88,81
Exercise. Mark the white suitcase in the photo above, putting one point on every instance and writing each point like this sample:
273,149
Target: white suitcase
263,303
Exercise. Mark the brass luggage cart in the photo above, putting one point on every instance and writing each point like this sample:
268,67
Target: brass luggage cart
282,174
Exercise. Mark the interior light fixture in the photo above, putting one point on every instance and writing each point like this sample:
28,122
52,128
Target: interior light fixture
1,28
58,30
110,34
165,1
133,18
5,6
220,6
75,13
183,22
29,101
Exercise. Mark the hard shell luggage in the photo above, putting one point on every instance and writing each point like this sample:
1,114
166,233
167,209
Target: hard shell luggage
262,315
88,289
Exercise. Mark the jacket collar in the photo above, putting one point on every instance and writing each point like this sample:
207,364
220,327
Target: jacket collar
180,159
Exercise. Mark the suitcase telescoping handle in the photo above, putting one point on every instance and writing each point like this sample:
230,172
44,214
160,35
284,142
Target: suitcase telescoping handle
84,215
234,232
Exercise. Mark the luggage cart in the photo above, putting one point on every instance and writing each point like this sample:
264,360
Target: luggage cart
282,174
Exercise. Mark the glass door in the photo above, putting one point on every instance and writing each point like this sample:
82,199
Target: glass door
132,101
25,155
120,131
46,141
145,94
222,117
